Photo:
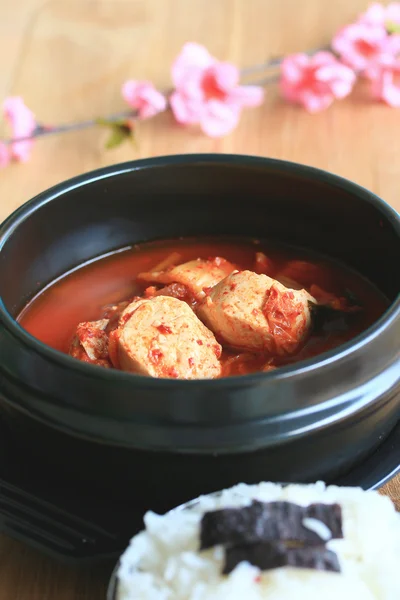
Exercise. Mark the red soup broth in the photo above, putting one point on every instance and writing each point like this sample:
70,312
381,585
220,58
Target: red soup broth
84,293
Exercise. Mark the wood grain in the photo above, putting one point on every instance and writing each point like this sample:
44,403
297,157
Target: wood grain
68,59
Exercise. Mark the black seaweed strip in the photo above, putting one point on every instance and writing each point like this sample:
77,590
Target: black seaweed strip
267,556
272,521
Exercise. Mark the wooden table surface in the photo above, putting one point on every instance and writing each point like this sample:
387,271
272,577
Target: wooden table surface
68,58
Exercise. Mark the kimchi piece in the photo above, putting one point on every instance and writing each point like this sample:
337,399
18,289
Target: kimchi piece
304,273
196,275
90,343
162,337
174,290
257,313
338,303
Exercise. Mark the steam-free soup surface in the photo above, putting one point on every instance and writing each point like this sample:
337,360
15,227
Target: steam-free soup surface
243,306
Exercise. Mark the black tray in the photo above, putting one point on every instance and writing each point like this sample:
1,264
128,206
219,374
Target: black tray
85,526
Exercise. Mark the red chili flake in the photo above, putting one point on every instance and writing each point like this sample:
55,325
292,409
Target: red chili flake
150,291
164,328
233,286
191,362
255,312
217,350
125,318
172,372
155,355
88,333
200,343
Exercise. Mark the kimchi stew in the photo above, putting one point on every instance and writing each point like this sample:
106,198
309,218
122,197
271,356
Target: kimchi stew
202,308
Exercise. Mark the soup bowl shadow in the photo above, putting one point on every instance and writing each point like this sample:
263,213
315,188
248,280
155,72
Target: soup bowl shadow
166,440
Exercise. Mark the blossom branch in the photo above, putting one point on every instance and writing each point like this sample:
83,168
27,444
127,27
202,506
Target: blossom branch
112,119
131,115
206,92
45,131
274,63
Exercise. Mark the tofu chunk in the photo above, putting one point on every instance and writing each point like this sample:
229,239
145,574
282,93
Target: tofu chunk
257,313
162,337
197,275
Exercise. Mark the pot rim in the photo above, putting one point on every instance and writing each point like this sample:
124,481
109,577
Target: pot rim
11,223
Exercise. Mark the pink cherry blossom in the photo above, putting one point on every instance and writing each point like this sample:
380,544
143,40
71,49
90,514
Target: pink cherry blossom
207,91
23,124
143,97
385,78
360,44
378,14
4,155
315,81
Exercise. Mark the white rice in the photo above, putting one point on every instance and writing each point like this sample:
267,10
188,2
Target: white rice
163,561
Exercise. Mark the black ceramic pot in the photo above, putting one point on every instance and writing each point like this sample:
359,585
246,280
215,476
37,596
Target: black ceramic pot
173,440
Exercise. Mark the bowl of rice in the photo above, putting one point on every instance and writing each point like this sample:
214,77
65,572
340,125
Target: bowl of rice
266,541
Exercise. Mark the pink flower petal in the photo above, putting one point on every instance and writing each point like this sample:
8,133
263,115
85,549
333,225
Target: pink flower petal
143,97
341,88
378,14
393,45
219,119
315,103
336,71
185,110
226,75
374,15
152,103
20,118
385,78
393,13
21,151
193,57
247,96
391,95
289,92
22,122
292,67
358,44
192,86
4,155
383,63
322,59
129,92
